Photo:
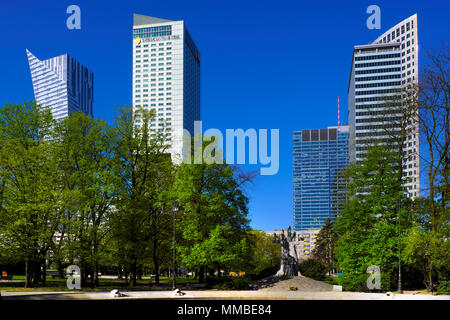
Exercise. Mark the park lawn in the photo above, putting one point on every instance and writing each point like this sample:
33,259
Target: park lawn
104,285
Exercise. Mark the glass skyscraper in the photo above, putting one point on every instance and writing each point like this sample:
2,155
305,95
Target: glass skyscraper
62,84
320,157
166,77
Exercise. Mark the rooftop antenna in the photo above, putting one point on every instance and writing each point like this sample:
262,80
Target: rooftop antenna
339,116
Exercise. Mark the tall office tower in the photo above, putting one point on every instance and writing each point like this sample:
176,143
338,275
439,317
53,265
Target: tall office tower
320,157
62,84
166,77
378,70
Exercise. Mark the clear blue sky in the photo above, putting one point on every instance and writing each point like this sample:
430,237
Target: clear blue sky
265,64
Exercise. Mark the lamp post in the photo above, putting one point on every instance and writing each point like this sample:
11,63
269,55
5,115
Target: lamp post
399,289
174,280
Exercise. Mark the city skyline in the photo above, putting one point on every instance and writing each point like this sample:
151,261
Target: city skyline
239,109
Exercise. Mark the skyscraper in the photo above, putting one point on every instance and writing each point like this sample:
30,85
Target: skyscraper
62,84
319,158
379,70
166,77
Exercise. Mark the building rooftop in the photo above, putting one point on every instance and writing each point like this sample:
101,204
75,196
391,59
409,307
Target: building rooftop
413,17
139,20
376,46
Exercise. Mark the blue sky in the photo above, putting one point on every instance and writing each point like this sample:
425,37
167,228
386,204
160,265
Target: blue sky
272,64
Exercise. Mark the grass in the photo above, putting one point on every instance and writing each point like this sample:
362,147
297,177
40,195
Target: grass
104,285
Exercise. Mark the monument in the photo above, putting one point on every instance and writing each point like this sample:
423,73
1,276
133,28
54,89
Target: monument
289,263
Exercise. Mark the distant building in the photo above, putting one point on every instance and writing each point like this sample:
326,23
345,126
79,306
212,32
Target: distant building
320,157
304,244
166,77
379,70
62,84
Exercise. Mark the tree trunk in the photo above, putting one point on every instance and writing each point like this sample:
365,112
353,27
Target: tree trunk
133,270
139,272
96,273
156,264
119,272
430,279
92,276
95,263
27,273
60,268
201,275
36,272
44,271
125,271
83,274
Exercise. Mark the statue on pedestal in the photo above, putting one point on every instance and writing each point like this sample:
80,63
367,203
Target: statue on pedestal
289,262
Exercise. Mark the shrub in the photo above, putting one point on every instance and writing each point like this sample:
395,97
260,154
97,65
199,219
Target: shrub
332,280
228,283
270,271
240,283
412,278
444,286
312,268
358,282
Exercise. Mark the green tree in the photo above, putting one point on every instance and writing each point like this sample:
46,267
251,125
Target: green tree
85,149
142,218
29,188
426,243
325,245
161,210
430,251
214,210
265,254
434,121
313,268
368,225
219,249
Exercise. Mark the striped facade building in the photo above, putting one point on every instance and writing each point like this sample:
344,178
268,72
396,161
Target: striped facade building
379,71
62,84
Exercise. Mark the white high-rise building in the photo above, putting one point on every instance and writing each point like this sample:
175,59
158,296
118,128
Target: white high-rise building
62,84
166,77
378,70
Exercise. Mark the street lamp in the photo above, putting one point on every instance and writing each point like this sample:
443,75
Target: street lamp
399,289
174,280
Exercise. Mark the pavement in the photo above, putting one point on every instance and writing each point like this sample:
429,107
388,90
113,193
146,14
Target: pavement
271,288
300,283
219,294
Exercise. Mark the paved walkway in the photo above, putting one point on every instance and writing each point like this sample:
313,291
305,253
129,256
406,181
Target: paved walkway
299,283
272,288
219,294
